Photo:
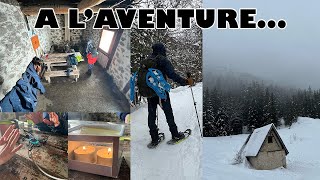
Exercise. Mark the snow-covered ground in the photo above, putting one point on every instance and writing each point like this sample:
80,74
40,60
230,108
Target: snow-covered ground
181,161
303,160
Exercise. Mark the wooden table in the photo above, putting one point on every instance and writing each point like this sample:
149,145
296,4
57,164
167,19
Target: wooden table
59,59
52,158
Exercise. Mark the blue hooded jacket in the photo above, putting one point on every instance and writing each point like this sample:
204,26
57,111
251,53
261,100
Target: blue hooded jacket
23,96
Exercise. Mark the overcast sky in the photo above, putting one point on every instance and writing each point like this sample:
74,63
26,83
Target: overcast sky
290,56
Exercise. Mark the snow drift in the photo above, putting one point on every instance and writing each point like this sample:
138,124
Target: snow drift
303,160
181,161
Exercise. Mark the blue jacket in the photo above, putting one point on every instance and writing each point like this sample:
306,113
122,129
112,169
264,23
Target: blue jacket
23,96
164,65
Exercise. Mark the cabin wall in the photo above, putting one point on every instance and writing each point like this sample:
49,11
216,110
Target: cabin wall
15,48
120,65
268,160
45,35
91,34
274,146
49,37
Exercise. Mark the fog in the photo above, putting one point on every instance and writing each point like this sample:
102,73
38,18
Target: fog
288,57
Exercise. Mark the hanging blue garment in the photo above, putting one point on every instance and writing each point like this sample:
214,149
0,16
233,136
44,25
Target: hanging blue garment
133,80
23,96
28,100
12,102
34,78
5,104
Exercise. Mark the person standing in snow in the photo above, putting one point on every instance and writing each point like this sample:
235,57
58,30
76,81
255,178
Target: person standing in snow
165,66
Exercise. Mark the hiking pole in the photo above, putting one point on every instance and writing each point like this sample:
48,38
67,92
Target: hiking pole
194,102
157,119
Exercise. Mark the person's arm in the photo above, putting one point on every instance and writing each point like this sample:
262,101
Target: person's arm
170,72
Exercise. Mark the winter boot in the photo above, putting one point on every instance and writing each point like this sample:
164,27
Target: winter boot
154,135
89,72
156,140
153,144
179,136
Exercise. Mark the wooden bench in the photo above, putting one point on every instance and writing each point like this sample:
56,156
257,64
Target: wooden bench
49,74
58,59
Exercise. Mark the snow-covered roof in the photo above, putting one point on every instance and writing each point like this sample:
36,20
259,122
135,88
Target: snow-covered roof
257,138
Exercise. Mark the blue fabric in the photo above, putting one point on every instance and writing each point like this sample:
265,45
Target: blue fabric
23,96
26,100
90,66
5,104
72,60
34,78
133,86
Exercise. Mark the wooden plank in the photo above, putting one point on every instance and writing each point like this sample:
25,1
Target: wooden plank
34,10
59,64
66,30
75,72
88,4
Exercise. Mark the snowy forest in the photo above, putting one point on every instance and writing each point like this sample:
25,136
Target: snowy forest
253,104
184,47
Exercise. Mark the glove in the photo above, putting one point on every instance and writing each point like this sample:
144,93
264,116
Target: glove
189,81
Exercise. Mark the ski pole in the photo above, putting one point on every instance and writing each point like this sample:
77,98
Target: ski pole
157,119
194,102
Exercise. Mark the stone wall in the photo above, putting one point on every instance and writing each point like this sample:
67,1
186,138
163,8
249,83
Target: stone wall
91,34
268,160
57,35
15,48
43,34
274,146
49,37
120,65
75,36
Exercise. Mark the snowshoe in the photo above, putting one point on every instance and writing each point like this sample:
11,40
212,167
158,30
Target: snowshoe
157,82
153,145
178,140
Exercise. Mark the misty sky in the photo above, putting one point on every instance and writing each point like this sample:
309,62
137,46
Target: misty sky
290,56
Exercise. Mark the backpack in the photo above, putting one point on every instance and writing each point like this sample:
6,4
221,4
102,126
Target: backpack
149,80
143,88
72,60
